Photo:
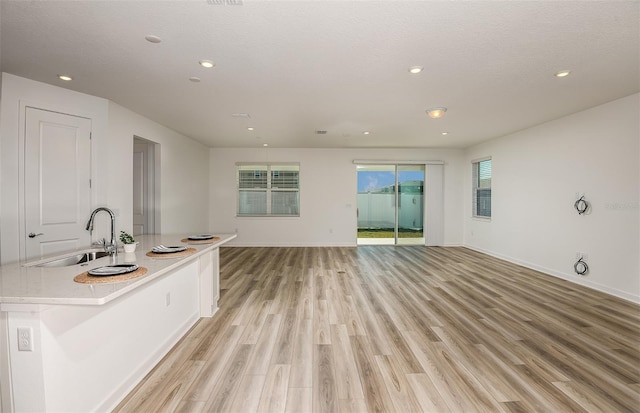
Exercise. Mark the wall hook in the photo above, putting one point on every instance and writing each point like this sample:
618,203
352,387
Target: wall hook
581,267
581,205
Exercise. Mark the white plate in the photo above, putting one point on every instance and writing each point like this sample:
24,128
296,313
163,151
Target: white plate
161,249
113,269
200,237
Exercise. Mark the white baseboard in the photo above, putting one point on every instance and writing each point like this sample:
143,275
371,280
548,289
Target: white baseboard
288,244
112,401
558,274
565,276
307,244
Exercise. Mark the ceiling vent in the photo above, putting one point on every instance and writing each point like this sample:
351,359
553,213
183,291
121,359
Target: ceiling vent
241,115
321,132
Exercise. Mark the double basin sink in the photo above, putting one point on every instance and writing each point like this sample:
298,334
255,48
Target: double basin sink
79,258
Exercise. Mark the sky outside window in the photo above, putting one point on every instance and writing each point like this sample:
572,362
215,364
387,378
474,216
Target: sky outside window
370,180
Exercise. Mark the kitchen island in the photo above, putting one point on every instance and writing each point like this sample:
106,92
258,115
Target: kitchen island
83,347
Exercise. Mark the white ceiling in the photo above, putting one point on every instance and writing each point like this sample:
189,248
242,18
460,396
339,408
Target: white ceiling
341,66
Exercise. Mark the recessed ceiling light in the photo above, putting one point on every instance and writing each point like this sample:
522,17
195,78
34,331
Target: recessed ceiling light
366,132
445,133
152,38
207,63
416,69
436,113
563,73
66,78
250,128
265,144
194,79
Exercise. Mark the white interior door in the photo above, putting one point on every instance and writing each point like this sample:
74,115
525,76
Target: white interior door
57,192
143,187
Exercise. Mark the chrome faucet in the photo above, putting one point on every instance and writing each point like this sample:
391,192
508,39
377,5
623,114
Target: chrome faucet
112,248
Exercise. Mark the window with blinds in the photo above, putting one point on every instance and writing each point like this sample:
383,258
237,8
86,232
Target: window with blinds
269,189
482,188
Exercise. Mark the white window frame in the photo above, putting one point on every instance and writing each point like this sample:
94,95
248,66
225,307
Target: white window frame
475,187
268,189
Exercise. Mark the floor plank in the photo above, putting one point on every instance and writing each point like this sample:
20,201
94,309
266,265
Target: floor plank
398,329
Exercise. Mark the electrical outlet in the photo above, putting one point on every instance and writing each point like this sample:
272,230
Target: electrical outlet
25,339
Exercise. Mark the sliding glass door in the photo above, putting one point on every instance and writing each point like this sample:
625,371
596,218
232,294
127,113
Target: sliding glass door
390,204
410,222
376,204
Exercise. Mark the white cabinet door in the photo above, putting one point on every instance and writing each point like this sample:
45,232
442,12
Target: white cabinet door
57,182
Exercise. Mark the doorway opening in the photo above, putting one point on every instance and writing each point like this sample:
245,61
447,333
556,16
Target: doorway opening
146,187
391,204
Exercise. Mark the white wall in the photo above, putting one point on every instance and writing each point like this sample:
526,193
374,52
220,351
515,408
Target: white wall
183,174
536,175
328,195
17,92
185,163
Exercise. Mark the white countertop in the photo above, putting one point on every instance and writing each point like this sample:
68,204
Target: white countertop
25,284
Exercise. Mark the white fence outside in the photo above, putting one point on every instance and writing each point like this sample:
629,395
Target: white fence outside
376,210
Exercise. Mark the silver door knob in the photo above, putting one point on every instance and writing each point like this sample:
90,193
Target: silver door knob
32,235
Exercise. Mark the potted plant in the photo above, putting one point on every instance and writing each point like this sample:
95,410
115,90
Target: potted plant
129,243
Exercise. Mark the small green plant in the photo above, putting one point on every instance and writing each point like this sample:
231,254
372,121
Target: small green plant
126,238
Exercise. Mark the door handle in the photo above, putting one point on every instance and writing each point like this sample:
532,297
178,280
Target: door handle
32,235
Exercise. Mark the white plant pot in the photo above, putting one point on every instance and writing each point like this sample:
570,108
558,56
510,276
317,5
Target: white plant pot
130,247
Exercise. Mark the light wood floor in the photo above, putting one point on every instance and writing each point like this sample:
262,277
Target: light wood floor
398,329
